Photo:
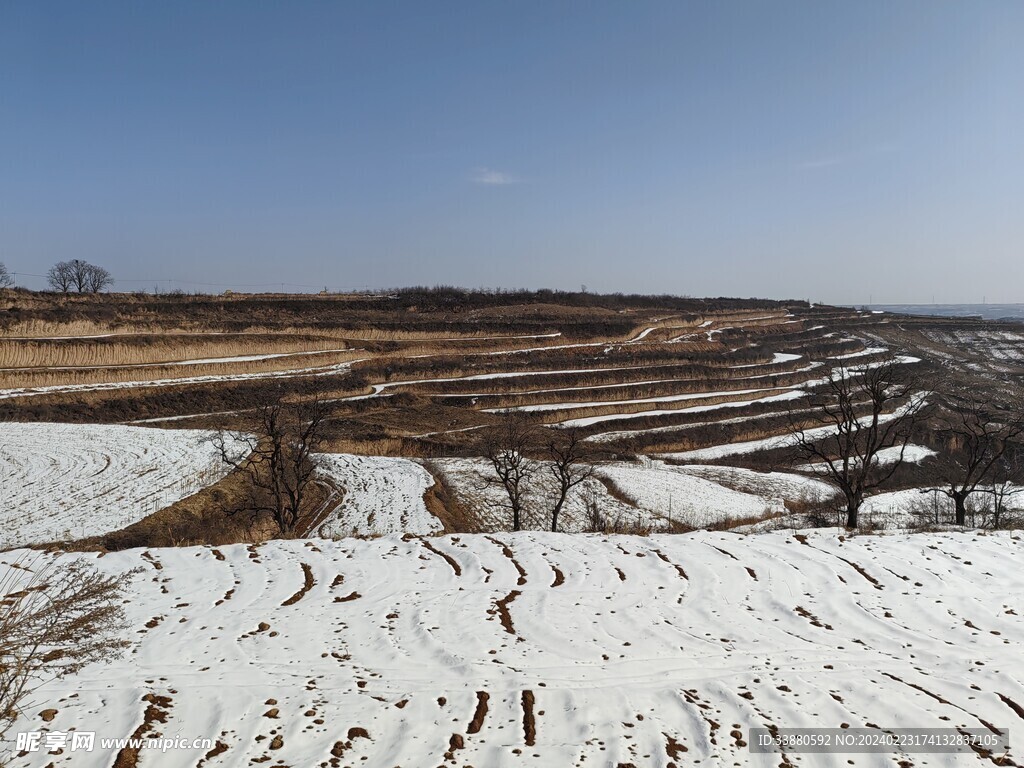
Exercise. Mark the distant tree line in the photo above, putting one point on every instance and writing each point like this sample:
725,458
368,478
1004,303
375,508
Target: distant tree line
6,279
453,299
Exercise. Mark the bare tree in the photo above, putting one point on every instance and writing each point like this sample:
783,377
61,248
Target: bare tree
277,453
567,457
863,410
977,435
78,275
1006,483
55,617
60,277
96,279
6,279
505,446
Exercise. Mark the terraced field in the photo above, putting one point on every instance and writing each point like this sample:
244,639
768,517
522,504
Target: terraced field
685,380
408,627
545,650
70,481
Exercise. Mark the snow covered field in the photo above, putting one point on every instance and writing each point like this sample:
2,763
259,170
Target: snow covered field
470,480
382,495
552,650
787,485
587,421
71,481
663,490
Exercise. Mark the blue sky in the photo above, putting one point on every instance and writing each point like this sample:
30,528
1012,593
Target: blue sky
835,151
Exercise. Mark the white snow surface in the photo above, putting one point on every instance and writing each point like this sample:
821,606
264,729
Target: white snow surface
913,454
382,494
787,440
643,400
472,482
863,353
643,333
777,358
72,481
771,485
666,491
792,394
623,643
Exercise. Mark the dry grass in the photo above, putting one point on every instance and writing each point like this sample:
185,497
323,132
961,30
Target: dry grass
444,504
732,523
203,519
161,373
148,350
385,446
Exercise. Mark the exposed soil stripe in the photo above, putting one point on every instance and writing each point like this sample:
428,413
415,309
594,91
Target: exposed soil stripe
938,698
481,712
450,560
673,748
503,612
1018,710
152,560
660,554
156,712
917,687
529,722
862,572
727,554
874,582
218,749
308,582
508,553
559,577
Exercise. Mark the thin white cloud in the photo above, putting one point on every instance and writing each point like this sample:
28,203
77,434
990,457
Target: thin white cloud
849,157
491,177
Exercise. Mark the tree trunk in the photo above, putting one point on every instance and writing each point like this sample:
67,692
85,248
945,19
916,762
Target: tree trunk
853,502
557,510
960,502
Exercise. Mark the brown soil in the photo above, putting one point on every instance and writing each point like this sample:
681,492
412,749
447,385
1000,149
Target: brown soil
559,577
503,612
442,502
308,582
481,712
521,581
447,558
156,711
529,721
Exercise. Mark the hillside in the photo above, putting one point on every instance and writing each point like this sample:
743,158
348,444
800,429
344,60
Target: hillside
542,649
422,374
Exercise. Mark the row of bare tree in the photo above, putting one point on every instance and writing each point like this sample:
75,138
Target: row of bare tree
860,424
277,455
508,447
